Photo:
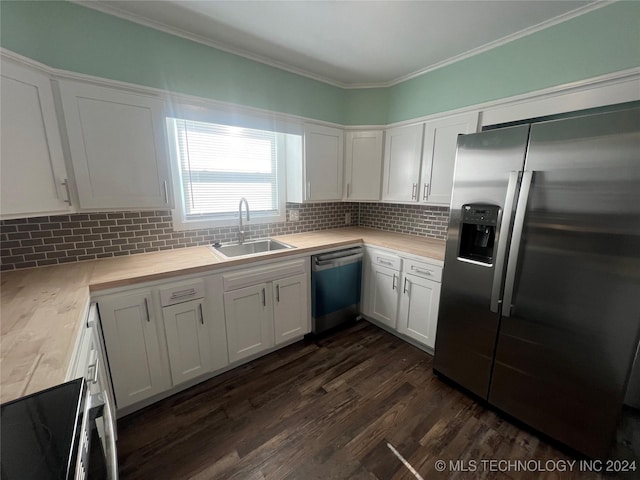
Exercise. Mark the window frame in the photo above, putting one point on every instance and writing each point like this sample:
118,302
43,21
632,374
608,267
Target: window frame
232,119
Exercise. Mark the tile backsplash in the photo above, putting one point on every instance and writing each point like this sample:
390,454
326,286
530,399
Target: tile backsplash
38,241
421,220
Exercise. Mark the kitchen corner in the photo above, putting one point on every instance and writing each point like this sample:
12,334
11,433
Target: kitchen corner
43,308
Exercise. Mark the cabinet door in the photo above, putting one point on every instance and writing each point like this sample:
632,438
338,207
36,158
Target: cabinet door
323,147
419,309
402,154
290,308
249,319
187,340
133,347
439,156
33,173
363,165
118,147
383,303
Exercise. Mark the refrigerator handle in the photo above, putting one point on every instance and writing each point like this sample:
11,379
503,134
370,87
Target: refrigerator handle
505,225
516,238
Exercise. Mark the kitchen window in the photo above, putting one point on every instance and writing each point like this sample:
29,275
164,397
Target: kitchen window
217,164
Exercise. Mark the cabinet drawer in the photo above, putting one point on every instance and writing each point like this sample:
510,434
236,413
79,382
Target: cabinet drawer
385,260
253,276
181,293
424,270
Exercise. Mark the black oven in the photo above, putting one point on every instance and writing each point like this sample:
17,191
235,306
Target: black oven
61,433
67,431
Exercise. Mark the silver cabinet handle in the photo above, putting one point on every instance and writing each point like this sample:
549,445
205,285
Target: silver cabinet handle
393,285
183,293
166,193
348,189
404,288
65,184
421,271
414,192
385,262
201,314
264,298
308,190
94,373
425,194
146,309
277,292
503,234
516,238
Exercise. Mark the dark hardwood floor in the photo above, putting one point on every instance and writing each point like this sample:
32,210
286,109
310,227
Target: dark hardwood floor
327,409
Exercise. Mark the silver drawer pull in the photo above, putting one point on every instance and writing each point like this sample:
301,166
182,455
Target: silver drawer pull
385,262
92,372
183,293
421,271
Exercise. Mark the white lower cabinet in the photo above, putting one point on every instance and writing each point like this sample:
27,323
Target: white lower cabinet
249,319
194,327
418,316
380,287
187,340
384,295
266,306
131,334
290,307
402,293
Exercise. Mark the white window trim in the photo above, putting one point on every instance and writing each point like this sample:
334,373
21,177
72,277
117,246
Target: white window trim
180,223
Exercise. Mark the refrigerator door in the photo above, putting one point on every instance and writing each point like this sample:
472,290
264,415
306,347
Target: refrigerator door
567,341
486,174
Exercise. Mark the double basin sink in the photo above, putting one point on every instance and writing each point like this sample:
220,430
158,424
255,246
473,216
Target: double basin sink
250,248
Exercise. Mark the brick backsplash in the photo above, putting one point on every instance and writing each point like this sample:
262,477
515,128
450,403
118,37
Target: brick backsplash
38,241
421,220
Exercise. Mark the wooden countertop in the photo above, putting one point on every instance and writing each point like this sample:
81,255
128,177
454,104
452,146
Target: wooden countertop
42,309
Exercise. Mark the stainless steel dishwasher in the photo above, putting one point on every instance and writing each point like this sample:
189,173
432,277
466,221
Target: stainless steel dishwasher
335,287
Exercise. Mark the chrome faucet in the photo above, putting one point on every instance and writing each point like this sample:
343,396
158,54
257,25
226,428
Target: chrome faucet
241,231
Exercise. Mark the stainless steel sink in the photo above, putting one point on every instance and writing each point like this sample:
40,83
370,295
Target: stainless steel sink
251,248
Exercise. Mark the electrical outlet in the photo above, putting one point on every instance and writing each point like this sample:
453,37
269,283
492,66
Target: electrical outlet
347,218
294,215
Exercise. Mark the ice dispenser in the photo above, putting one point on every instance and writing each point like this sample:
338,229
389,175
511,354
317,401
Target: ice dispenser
477,238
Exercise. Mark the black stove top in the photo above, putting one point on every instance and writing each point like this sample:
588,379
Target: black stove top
38,433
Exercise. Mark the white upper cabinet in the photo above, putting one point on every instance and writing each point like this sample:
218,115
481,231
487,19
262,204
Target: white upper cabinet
363,165
118,147
402,157
32,174
316,174
439,155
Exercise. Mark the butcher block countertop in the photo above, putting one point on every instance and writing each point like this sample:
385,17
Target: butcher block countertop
42,309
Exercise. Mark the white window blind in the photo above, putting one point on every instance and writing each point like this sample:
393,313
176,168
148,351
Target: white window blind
220,164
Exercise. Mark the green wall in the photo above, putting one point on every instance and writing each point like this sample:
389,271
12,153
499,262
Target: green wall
71,37
602,41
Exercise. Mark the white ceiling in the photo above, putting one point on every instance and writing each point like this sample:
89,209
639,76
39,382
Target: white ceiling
350,43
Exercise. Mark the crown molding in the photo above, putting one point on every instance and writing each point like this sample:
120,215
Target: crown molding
117,12
496,43
631,76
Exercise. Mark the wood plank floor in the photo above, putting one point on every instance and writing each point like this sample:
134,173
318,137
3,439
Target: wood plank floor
327,409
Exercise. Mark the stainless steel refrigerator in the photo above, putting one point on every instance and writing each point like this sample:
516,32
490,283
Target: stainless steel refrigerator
540,304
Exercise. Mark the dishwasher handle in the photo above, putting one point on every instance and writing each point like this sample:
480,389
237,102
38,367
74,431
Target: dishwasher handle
318,265
347,252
